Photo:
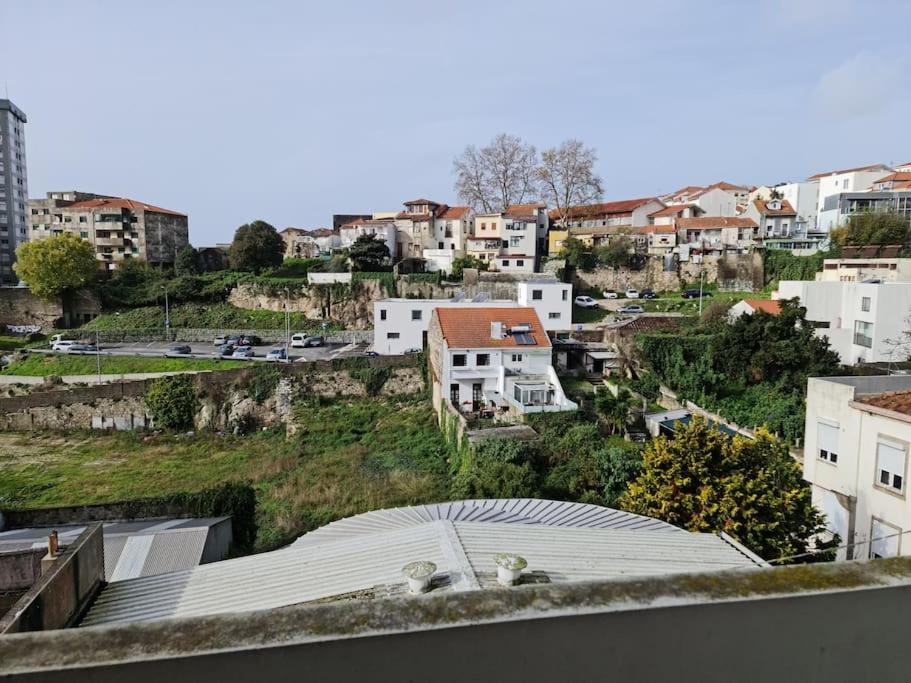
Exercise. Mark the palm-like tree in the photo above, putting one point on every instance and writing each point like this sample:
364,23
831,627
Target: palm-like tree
613,410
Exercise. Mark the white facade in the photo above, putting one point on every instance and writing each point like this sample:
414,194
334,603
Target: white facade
804,197
401,324
717,202
864,322
860,269
856,460
439,260
382,230
859,180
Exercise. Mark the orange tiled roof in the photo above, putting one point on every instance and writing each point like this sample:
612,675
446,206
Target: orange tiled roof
421,201
469,328
623,206
785,210
722,185
770,306
454,212
871,167
120,203
709,222
896,401
524,209
672,210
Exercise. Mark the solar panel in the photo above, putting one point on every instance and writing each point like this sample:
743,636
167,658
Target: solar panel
523,339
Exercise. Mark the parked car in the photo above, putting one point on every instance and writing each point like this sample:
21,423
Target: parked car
243,352
313,341
179,350
632,293
250,340
57,338
413,350
631,308
225,350
62,345
583,301
233,341
611,294
695,294
302,341
277,354
220,340
82,347
648,293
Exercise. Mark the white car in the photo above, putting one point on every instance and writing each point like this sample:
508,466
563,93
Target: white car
301,340
62,345
632,294
220,340
583,301
610,294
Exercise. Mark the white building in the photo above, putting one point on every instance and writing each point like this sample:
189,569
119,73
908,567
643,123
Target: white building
831,183
858,430
860,269
629,213
380,229
865,322
804,197
400,325
751,306
493,358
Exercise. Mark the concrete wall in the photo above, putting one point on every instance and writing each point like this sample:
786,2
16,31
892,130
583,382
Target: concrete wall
65,589
18,306
19,569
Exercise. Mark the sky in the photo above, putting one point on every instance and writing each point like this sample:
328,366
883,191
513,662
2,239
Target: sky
292,111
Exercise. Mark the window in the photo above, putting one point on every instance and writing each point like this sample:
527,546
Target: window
82,219
392,335
537,294
565,294
440,245
865,304
454,394
553,315
863,333
520,263
482,359
382,314
416,314
827,438
505,262
890,466
459,360
884,539
517,358
84,235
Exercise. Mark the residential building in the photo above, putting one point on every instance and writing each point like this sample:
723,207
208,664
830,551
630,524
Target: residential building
660,238
301,243
904,168
498,359
118,228
628,213
509,240
838,208
668,214
882,263
13,188
751,306
857,434
900,180
555,240
803,197
382,229
718,199
400,325
339,219
717,233
833,183
865,322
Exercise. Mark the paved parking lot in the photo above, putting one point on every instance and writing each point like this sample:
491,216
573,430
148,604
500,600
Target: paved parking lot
204,350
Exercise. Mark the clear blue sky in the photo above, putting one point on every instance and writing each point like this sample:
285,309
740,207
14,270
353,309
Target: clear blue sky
292,111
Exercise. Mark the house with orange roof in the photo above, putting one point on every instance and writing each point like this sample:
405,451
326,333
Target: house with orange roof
717,233
118,228
752,306
496,360
627,213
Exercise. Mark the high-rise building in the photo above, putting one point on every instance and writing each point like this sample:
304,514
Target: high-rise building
13,187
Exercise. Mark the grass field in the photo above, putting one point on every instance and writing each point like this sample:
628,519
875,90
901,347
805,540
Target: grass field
350,456
588,315
674,302
11,343
43,365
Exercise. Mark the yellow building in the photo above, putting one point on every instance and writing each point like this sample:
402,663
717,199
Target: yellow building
555,240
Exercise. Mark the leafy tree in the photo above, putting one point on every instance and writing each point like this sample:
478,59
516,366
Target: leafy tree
172,401
616,254
460,264
567,177
187,261
578,254
704,481
619,465
774,193
56,264
368,254
256,246
490,478
613,410
874,227
494,177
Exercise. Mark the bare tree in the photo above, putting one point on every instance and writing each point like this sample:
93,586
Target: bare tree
494,177
567,177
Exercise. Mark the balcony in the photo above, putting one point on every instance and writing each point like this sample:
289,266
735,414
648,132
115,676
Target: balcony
109,241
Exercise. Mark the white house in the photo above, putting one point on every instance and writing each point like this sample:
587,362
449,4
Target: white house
381,229
865,322
400,325
751,306
858,430
804,197
493,358
717,232
630,213
859,269
832,183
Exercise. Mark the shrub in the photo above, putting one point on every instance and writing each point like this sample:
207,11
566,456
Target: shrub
373,379
265,377
172,401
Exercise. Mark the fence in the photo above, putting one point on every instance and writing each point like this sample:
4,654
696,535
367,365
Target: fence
191,334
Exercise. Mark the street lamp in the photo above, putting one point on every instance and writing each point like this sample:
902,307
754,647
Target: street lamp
167,316
287,326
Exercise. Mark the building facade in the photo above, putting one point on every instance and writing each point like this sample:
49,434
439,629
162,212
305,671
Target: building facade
833,183
118,228
13,188
838,208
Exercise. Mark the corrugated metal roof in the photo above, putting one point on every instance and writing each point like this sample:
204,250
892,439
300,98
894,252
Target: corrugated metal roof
365,560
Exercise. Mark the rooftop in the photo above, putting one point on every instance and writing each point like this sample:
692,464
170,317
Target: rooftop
672,210
785,209
890,401
119,203
772,307
470,328
857,169
707,222
604,208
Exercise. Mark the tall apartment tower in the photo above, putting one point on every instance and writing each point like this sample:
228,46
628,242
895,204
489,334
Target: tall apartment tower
13,188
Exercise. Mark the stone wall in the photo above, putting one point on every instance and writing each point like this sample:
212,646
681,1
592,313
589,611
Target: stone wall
18,306
742,272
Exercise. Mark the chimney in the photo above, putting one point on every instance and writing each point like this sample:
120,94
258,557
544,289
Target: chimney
509,568
53,549
496,330
419,575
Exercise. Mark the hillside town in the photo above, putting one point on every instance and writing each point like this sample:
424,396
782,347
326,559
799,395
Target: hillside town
513,419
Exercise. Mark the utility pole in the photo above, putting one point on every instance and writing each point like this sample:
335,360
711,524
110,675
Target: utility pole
167,316
98,356
287,326
701,281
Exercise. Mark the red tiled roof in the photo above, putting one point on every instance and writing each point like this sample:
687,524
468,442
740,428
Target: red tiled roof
896,401
624,206
722,185
709,222
894,177
672,210
770,306
764,210
522,210
422,201
871,167
120,203
469,328
689,189
454,212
